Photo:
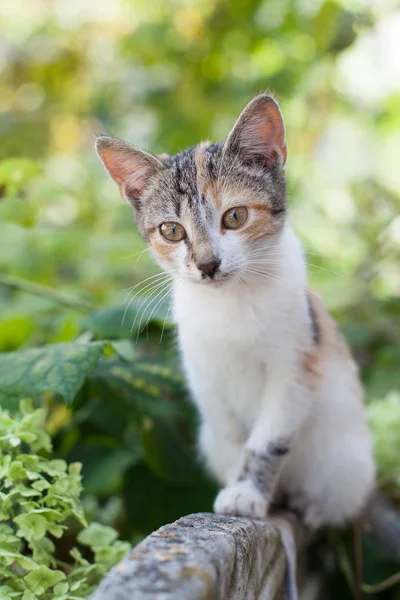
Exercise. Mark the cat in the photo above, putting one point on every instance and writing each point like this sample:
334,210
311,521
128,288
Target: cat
279,397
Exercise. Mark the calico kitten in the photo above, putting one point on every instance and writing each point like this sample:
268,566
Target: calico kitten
278,392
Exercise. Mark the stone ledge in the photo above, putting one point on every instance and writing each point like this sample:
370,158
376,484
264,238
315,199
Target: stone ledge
204,557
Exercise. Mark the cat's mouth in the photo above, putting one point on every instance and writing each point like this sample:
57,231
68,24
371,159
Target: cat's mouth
217,280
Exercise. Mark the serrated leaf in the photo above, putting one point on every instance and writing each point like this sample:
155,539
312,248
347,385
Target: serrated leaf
42,578
23,561
60,368
55,467
97,535
32,526
40,485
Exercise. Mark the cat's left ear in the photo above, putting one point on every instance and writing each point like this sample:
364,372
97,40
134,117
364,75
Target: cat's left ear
131,168
259,133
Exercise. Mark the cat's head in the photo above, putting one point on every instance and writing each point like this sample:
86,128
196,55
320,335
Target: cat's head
210,212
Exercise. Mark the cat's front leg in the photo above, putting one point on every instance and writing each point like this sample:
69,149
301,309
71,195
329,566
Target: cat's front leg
250,494
283,411
221,448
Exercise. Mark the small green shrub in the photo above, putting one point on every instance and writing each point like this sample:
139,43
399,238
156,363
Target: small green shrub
39,507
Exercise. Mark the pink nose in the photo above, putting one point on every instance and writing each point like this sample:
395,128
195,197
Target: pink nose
209,268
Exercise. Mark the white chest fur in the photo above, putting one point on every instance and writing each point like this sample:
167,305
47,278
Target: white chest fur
230,336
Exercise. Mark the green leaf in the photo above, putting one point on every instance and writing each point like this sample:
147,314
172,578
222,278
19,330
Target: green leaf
141,388
60,368
6,592
97,535
32,526
29,596
42,578
23,561
54,467
111,555
61,588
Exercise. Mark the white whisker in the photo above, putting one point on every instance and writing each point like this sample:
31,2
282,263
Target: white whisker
149,286
146,300
164,322
163,293
140,253
324,269
133,287
163,297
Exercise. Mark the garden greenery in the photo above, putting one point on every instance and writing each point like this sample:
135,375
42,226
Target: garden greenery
39,503
93,351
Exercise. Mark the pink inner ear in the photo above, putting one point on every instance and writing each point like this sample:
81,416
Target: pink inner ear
260,130
264,133
131,169
136,183
121,164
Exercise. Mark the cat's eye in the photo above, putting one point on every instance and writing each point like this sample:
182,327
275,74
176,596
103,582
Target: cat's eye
173,232
235,217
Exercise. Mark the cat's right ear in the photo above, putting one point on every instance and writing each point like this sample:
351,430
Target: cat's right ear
259,133
131,168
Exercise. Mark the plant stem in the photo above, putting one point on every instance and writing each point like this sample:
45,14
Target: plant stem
46,292
383,585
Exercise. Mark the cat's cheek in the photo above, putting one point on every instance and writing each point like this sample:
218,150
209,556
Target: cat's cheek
233,252
170,257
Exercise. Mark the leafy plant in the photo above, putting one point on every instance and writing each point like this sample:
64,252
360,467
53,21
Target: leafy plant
60,368
174,74
39,507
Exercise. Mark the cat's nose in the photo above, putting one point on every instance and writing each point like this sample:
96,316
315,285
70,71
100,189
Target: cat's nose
209,268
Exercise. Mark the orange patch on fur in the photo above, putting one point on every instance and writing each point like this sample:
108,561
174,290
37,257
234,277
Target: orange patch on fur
262,223
312,365
331,344
200,157
313,359
212,191
164,250
207,187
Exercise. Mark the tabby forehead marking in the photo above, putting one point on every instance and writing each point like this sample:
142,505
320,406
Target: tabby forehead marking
206,160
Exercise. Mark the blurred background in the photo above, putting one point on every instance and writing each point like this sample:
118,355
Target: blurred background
164,75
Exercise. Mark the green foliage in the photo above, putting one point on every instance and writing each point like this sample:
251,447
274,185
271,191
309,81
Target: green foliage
60,368
131,428
165,75
39,503
384,417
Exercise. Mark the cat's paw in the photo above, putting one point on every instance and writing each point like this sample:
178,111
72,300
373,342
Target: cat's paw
241,499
